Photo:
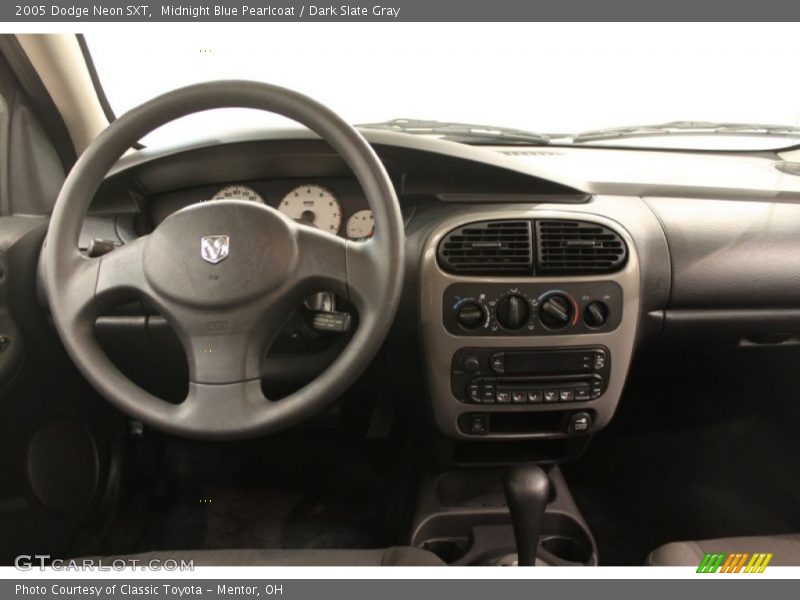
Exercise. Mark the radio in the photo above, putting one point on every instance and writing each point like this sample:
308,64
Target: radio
513,376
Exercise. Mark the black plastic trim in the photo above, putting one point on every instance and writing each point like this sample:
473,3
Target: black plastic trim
98,85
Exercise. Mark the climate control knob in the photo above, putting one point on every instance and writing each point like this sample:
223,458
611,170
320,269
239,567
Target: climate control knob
556,311
470,315
513,312
595,314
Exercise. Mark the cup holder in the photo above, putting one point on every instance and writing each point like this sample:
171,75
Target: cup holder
450,550
566,549
565,541
473,538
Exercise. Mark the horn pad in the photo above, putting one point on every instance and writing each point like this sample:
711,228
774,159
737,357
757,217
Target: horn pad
257,258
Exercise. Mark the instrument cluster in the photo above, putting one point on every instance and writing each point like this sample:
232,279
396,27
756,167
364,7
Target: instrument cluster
309,203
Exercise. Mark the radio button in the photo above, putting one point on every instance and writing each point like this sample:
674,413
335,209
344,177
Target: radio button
470,363
488,393
477,424
474,392
579,423
497,362
599,360
597,387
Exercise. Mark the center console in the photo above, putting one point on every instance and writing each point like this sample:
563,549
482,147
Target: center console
463,517
528,321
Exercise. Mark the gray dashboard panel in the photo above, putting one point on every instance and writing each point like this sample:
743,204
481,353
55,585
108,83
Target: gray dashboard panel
732,253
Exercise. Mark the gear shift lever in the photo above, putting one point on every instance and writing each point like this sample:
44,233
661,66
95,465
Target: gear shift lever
527,491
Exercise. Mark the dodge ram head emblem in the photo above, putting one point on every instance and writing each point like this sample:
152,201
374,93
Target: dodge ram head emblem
214,248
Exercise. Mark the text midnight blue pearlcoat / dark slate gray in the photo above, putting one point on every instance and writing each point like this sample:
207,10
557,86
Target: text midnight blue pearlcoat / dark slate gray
396,10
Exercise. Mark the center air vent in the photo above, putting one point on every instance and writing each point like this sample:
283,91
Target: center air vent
488,248
577,247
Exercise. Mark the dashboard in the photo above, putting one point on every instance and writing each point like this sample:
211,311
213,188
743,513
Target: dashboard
513,348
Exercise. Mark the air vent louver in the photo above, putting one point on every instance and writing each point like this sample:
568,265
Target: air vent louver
488,248
577,247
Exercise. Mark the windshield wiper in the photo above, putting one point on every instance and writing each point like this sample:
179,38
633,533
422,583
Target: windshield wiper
461,132
687,128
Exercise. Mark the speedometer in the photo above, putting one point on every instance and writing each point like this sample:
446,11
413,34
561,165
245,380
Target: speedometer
313,205
238,192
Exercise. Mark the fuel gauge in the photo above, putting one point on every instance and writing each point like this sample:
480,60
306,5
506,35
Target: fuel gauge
361,225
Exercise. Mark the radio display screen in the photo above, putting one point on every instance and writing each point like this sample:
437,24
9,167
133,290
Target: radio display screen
547,363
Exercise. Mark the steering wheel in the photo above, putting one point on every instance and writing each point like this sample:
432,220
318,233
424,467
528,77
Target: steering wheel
224,274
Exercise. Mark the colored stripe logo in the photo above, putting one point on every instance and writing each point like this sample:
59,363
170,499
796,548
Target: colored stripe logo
737,562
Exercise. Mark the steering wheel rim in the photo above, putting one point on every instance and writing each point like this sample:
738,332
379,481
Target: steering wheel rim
224,312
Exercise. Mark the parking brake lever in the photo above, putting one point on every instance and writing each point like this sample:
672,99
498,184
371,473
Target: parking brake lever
527,490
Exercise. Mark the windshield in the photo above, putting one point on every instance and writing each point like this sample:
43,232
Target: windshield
557,82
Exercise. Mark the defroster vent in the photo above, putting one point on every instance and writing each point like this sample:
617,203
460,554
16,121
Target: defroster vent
488,248
577,247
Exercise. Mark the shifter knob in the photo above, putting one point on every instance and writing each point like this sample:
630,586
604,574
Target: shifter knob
527,491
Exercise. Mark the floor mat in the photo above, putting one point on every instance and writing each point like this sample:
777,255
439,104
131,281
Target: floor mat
639,491
318,494
235,518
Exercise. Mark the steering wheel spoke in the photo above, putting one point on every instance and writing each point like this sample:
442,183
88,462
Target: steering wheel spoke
228,347
349,269
322,261
222,407
364,265
120,274
95,284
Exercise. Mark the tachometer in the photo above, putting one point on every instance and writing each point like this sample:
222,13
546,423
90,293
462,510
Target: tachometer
361,225
313,205
238,192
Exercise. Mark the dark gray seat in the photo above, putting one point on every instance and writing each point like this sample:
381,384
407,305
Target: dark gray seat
394,556
785,548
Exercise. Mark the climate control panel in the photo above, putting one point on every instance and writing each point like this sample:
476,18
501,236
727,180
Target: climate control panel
532,309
